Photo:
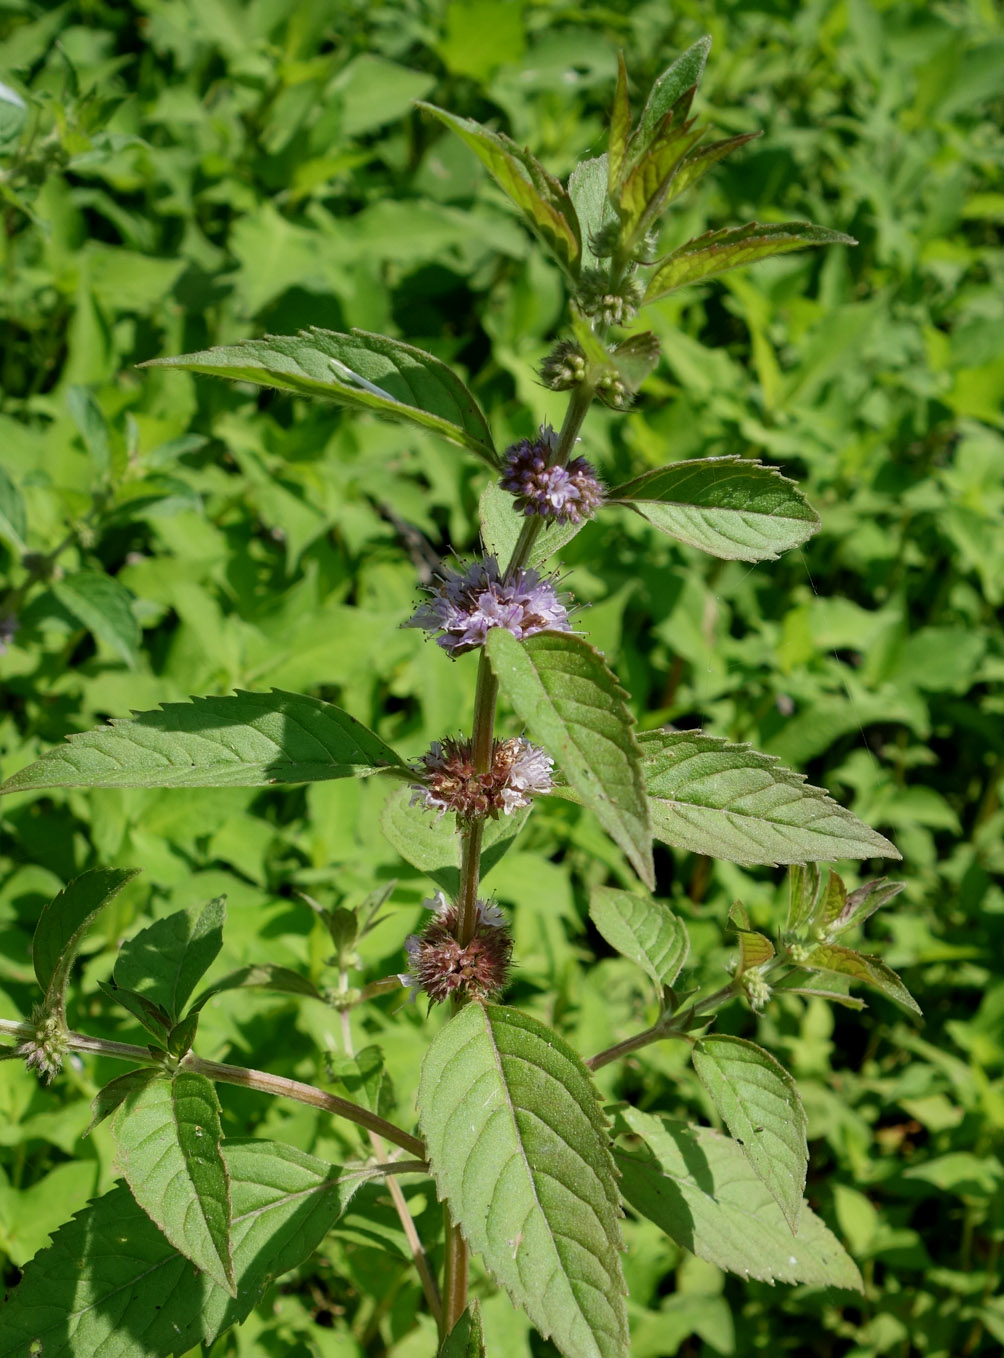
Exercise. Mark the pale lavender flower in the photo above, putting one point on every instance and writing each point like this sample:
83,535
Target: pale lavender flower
519,771
468,603
558,494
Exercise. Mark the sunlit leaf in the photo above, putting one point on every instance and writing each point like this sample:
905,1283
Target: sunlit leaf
643,930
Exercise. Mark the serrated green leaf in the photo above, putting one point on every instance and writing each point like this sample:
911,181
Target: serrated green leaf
466,1339
116,1091
13,520
62,925
620,129
433,846
642,930
647,187
699,162
728,801
545,205
248,740
263,976
732,247
369,372
164,962
152,1016
104,607
759,1103
518,1147
872,971
682,76
92,426
167,1140
803,891
698,1187
110,1282
587,188
501,525
572,704
734,508
861,904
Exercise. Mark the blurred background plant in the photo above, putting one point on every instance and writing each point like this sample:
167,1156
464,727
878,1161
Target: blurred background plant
175,175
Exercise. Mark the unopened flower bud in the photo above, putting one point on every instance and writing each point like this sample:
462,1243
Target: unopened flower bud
758,992
564,367
800,952
612,306
440,967
45,1051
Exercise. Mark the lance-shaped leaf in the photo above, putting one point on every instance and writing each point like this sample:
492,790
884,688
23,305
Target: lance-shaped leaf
731,247
861,904
111,1283
167,1140
735,509
587,188
518,1148
699,162
433,846
164,962
13,520
642,930
754,948
759,1103
729,801
572,704
679,79
248,740
104,607
466,1339
698,1187
872,971
544,203
368,372
648,185
62,925
620,129
803,893
260,976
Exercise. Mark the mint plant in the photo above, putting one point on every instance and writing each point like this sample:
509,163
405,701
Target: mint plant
532,1172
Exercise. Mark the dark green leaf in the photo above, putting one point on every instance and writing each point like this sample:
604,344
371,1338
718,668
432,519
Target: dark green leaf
642,930
648,185
546,206
466,1339
262,975
370,372
860,967
116,1091
89,418
501,525
572,704
63,922
154,1017
433,846
518,1147
728,801
249,740
682,76
699,1188
729,506
699,162
110,1283
167,1138
731,247
104,607
164,962
759,1103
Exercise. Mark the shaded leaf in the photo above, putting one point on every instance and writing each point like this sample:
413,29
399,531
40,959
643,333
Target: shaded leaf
62,924
433,846
13,520
759,1103
518,1147
734,508
728,801
92,426
698,1187
264,976
803,891
164,962
501,525
369,372
466,1339
732,247
167,1140
872,971
104,607
248,740
642,930
620,129
110,1282
700,161
572,704
116,1091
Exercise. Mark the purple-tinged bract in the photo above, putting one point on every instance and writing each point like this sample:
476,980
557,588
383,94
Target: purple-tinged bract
440,967
557,494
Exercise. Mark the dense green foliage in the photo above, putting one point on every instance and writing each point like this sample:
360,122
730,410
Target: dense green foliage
193,174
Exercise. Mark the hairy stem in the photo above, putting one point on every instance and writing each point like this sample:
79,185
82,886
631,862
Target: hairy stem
243,1076
455,1274
670,1025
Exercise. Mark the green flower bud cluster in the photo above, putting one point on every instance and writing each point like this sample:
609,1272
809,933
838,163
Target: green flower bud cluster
564,367
611,305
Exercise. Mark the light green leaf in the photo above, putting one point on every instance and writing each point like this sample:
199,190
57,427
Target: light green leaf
167,1139
13,521
571,702
518,1148
872,971
732,507
732,247
164,962
110,1282
92,426
684,74
116,1091
587,188
501,525
698,1187
264,976
759,1103
642,930
546,206
62,925
620,129
803,892
104,607
433,846
370,372
728,801
466,1339
248,740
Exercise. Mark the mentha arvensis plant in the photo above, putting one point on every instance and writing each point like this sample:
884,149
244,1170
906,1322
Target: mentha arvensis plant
532,1173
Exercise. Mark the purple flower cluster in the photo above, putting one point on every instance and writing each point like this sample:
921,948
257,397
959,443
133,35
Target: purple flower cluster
558,494
441,967
468,603
519,771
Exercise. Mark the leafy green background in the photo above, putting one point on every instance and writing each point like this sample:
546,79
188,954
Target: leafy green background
194,173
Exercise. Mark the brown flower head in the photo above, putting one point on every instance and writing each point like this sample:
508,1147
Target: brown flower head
440,967
519,771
